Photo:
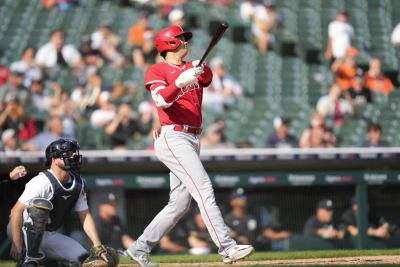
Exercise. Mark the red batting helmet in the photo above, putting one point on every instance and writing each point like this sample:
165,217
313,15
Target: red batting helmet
166,39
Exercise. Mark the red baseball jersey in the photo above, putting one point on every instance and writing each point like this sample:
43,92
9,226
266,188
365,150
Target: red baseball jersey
186,107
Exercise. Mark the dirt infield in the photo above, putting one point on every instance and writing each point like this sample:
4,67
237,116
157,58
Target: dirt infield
372,260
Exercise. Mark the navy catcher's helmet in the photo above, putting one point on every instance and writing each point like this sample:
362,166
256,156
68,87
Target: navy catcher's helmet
68,150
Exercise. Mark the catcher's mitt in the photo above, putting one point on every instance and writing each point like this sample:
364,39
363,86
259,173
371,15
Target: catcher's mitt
95,258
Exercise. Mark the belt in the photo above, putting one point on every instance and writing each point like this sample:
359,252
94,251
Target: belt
187,129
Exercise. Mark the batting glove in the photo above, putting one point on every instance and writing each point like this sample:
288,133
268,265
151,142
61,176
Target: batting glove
188,77
198,69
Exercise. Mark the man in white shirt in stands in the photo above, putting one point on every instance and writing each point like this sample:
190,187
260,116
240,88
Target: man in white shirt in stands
56,53
396,36
43,206
339,37
224,89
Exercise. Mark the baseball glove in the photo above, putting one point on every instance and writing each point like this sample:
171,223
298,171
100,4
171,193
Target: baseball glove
95,258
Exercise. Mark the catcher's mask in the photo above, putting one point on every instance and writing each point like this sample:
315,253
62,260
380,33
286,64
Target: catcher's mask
68,150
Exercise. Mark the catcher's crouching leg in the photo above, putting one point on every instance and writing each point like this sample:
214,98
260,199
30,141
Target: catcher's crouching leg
95,258
33,230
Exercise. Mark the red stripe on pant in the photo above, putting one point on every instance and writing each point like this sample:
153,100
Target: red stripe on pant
201,197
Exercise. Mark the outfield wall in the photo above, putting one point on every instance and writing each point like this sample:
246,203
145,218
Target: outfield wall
289,181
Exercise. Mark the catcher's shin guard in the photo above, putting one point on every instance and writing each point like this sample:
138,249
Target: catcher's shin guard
33,229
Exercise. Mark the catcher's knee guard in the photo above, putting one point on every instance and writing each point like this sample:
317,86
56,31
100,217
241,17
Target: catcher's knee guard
33,229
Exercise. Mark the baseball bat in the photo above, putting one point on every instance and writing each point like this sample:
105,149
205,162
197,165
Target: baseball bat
217,36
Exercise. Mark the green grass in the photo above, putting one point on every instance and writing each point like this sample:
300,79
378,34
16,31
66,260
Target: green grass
258,256
262,256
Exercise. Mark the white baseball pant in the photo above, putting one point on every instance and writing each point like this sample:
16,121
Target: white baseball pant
180,151
56,246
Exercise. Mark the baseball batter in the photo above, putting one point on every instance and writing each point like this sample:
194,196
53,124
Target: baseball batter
176,87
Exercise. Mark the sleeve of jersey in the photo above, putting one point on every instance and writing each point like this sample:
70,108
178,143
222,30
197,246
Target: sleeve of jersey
206,78
162,93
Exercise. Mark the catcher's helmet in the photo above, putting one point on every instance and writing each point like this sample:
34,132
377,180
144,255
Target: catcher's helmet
68,150
166,39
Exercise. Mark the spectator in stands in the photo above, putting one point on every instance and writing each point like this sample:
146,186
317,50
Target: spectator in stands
375,80
147,54
107,43
9,139
215,137
92,59
147,113
243,227
14,86
328,138
177,17
105,114
247,10
135,34
340,33
335,107
321,224
112,232
345,69
272,232
13,117
281,138
396,36
199,240
43,139
42,101
70,116
377,227
56,53
176,241
4,74
123,127
28,65
374,136
359,94
265,20
224,89
317,135
87,92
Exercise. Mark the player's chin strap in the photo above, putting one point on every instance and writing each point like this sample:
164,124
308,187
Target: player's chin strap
33,230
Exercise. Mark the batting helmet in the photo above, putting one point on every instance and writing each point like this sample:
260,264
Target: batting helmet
166,39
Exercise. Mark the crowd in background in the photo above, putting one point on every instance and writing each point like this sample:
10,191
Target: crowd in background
264,229
35,110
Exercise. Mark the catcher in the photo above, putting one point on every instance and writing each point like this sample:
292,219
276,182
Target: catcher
41,209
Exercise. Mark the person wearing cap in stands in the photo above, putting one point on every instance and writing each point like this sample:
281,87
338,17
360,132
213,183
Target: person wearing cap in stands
177,17
224,90
110,228
358,92
340,33
265,20
281,138
106,113
345,69
9,140
243,227
146,55
321,224
14,85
